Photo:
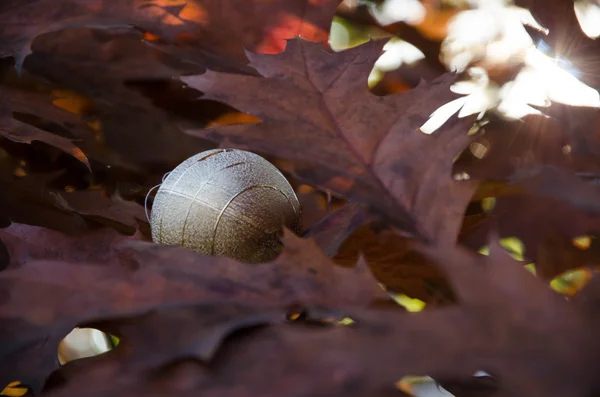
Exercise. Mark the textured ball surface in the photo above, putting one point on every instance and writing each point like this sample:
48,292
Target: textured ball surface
225,202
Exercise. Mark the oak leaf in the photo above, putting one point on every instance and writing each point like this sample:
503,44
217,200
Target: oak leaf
317,112
25,243
350,233
145,277
212,28
21,132
528,338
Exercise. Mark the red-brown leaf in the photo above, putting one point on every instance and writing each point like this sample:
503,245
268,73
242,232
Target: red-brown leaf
317,111
147,276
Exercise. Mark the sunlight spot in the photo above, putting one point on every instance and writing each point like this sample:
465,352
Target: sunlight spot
556,83
14,389
392,11
83,342
488,204
294,316
344,34
398,52
588,15
441,115
480,96
169,3
345,321
339,36
275,36
493,33
410,304
462,176
478,149
539,83
435,24
511,250
375,77
476,127
571,282
514,247
170,19
151,37
421,386
582,242
531,268
194,12
516,97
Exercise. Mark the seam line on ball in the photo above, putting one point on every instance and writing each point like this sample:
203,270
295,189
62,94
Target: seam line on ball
220,216
195,197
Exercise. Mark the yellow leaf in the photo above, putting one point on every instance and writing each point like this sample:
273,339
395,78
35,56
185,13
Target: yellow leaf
582,242
571,282
14,389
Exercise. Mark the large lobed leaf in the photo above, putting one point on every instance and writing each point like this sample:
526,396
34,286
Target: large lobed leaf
316,110
214,29
137,277
509,324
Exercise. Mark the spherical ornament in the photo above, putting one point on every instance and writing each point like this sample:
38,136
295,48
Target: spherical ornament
225,202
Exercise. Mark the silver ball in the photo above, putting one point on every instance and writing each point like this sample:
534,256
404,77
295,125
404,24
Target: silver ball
225,202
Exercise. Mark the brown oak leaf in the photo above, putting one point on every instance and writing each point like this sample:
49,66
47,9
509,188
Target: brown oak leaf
25,243
317,112
26,200
26,197
19,131
396,264
148,276
208,27
331,231
111,123
548,208
173,343
546,227
513,326
350,232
